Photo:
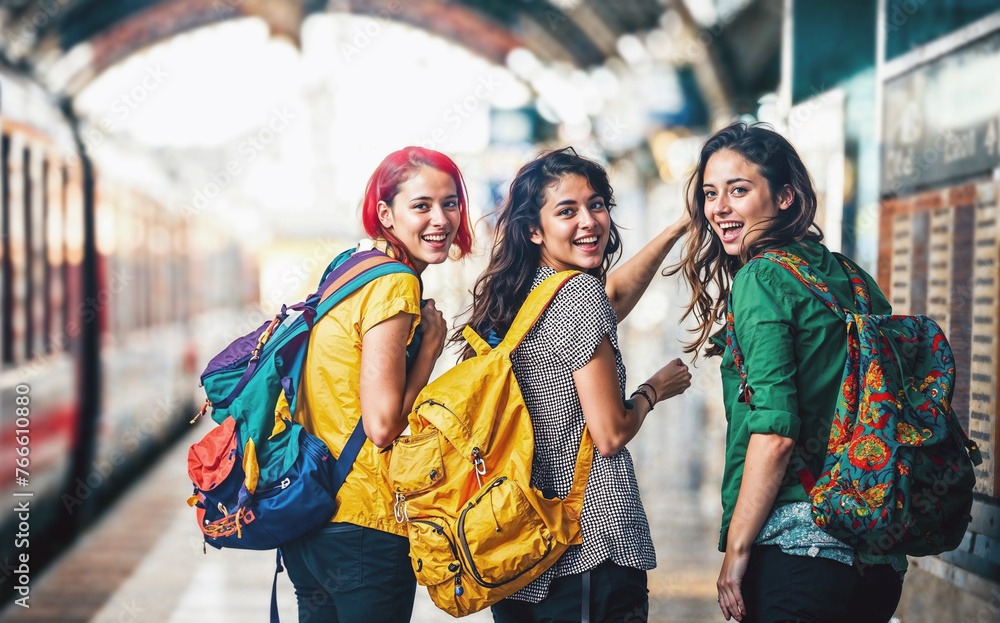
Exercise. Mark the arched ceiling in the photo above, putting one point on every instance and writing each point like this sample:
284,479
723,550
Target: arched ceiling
65,44
68,42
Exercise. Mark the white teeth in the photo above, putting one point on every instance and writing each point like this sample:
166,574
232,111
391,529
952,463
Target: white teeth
730,225
435,238
590,240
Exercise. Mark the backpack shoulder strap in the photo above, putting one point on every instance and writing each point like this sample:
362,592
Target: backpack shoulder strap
351,273
862,295
806,275
584,459
533,307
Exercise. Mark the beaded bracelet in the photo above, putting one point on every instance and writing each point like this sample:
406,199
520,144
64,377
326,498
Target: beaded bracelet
643,393
656,397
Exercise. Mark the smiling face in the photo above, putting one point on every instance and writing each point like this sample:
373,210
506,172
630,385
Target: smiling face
424,216
738,200
574,225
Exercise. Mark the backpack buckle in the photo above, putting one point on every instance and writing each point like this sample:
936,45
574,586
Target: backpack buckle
479,465
399,508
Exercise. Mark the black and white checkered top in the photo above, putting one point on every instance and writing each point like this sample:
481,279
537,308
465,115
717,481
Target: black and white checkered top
613,521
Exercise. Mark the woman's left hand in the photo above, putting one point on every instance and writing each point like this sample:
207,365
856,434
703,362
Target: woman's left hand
681,225
734,567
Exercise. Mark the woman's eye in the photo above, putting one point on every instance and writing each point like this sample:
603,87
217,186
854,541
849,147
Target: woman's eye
739,190
420,206
709,194
599,205
566,212
451,205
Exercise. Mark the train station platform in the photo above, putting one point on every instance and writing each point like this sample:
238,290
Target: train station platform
144,561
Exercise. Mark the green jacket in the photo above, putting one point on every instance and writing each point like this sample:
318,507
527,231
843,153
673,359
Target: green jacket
794,349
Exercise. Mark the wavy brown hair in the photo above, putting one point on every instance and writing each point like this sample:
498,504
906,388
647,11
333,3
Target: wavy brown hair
504,286
705,264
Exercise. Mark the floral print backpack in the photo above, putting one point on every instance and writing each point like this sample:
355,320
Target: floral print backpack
898,475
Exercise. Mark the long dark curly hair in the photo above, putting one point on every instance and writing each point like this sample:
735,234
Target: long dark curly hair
504,286
705,264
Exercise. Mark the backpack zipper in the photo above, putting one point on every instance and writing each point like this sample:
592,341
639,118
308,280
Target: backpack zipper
459,590
262,353
465,544
440,530
453,414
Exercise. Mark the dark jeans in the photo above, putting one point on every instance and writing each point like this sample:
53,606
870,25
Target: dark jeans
617,595
780,588
343,573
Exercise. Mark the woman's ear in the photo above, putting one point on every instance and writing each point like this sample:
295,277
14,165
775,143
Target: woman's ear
384,214
536,235
786,197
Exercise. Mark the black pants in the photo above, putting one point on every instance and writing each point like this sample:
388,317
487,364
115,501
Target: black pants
617,595
780,588
343,573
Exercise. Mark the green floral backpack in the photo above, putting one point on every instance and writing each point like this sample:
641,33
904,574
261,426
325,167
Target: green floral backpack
898,475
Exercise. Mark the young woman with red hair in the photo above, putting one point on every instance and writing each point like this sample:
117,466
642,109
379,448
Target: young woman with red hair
358,367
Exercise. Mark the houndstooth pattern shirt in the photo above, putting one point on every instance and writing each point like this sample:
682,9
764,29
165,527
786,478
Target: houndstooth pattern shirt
613,522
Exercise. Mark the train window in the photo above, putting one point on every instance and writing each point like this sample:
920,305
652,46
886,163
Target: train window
7,287
55,257
29,256
64,182
46,294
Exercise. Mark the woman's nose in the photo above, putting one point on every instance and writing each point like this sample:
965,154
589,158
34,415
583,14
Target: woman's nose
587,220
437,215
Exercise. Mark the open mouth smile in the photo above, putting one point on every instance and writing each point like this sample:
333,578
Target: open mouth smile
435,239
730,230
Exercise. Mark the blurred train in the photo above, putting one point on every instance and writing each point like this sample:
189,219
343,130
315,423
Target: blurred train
105,295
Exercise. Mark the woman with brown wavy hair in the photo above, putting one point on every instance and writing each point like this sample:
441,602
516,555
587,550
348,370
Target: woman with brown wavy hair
557,217
751,193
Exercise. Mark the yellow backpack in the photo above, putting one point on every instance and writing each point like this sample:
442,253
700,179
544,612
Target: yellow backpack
478,530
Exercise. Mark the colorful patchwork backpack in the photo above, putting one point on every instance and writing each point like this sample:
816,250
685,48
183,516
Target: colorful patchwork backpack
478,530
898,475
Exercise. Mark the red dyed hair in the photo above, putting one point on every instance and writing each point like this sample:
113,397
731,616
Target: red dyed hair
384,183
